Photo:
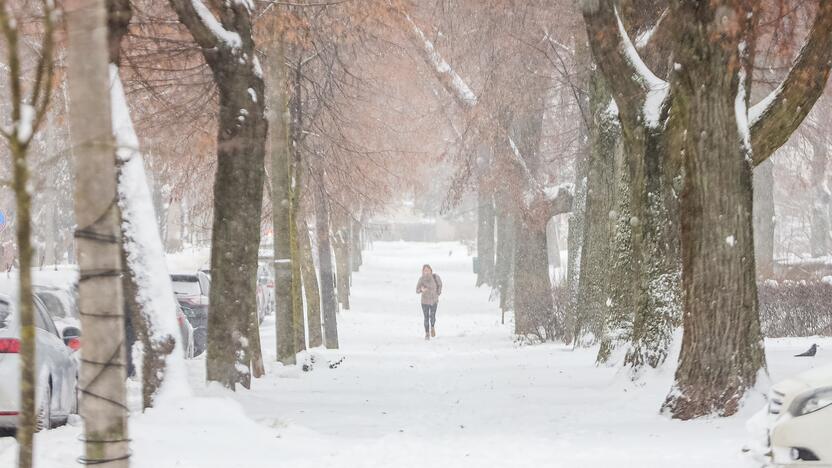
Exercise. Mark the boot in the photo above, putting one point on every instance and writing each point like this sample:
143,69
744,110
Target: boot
432,331
427,336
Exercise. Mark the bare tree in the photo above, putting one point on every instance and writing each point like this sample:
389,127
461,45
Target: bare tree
225,37
28,111
661,119
278,114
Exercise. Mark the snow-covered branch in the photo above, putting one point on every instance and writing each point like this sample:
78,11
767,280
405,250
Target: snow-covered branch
638,92
452,82
773,119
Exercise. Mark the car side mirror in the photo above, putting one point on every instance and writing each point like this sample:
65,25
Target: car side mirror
72,338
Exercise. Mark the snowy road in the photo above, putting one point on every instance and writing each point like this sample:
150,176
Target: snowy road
469,398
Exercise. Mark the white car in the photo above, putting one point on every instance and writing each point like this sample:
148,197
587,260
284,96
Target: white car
56,367
800,420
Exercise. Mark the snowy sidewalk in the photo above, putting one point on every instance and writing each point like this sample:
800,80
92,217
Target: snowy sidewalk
469,398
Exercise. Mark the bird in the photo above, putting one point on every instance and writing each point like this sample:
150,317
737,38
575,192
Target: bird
809,352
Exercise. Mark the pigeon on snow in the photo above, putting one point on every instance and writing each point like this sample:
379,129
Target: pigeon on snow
809,352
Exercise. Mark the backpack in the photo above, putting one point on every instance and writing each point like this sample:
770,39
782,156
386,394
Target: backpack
438,284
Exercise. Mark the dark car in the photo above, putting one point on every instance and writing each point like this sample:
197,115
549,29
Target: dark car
192,291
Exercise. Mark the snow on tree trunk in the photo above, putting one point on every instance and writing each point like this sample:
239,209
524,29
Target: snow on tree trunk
657,302
618,316
164,368
591,305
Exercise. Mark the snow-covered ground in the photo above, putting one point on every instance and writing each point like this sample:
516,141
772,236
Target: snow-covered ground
469,398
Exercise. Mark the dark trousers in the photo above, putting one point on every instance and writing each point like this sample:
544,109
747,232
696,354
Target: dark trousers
429,311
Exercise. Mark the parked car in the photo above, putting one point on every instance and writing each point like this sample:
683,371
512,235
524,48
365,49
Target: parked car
192,291
265,289
56,367
186,330
60,303
800,420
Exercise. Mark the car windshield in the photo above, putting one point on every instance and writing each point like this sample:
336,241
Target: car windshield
5,314
53,304
186,285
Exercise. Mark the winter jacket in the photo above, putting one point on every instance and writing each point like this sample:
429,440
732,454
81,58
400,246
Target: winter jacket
431,287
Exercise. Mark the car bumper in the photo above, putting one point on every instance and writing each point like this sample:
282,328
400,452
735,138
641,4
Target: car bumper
8,421
796,441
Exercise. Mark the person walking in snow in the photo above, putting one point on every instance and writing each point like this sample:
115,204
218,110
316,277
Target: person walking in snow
430,287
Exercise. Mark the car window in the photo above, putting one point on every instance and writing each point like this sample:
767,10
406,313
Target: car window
53,304
5,314
186,284
43,320
205,282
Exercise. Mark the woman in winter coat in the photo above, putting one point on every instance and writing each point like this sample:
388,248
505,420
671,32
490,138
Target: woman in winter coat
430,287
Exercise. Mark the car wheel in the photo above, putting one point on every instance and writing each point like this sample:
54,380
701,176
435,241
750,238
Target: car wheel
44,419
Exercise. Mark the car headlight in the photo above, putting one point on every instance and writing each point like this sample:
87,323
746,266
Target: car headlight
811,402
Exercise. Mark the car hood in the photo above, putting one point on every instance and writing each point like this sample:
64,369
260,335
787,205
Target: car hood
190,300
785,391
817,377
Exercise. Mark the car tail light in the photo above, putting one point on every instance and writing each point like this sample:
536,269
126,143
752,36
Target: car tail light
9,413
74,343
9,346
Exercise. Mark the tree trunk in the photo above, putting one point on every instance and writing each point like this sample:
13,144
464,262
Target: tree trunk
618,317
657,302
764,218
342,261
150,305
722,346
278,111
258,367
594,279
296,189
485,236
820,235
329,302
356,246
26,307
504,267
238,186
310,286
531,277
103,402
